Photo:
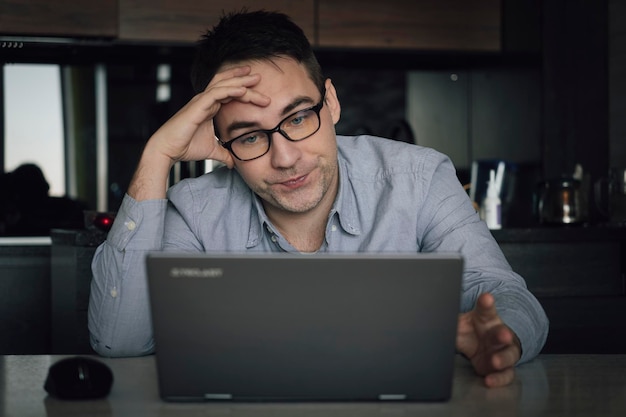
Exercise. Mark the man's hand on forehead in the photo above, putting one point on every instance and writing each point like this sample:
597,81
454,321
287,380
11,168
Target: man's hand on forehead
243,81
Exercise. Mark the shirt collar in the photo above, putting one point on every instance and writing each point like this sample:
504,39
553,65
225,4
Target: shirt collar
345,204
258,219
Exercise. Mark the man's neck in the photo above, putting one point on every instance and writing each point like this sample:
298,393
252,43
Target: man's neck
304,231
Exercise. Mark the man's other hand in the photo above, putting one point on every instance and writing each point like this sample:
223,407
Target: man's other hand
490,345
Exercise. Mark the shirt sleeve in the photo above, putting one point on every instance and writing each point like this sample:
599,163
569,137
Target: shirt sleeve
451,224
119,316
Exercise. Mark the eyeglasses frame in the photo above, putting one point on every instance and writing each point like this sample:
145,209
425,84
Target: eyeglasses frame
269,132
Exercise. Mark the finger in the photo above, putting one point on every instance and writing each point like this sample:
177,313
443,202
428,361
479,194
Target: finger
499,335
497,338
500,378
496,357
238,76
497,351
466,340
229,73
240,89
505,358
506,351
206,104
485,308
250,96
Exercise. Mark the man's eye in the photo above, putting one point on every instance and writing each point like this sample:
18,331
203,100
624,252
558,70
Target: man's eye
248,140
299,118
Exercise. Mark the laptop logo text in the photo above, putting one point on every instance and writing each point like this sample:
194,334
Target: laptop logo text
196,272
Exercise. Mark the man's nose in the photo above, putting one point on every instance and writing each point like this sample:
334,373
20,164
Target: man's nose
283,152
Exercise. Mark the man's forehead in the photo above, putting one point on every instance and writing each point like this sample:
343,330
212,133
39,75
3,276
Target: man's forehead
281,80
286,94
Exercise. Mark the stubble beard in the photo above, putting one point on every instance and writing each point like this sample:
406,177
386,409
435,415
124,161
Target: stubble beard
301,200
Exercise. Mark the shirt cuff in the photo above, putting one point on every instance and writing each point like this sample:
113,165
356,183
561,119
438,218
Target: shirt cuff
528,333
138,225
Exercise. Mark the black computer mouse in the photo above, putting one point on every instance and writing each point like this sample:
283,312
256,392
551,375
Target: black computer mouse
79,378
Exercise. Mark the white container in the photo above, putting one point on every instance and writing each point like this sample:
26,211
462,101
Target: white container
491,209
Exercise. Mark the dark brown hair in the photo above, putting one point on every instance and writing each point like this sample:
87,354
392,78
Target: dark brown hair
245,36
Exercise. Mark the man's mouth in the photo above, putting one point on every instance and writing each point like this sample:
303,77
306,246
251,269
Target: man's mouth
294,182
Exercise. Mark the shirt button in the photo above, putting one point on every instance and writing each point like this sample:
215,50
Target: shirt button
273,238
131,225
333,228
114,293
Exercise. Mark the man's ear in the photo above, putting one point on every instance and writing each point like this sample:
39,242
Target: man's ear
332,101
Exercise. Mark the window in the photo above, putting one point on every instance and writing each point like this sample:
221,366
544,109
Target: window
34,121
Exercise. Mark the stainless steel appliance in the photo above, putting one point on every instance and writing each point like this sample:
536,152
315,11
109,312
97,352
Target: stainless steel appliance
562,201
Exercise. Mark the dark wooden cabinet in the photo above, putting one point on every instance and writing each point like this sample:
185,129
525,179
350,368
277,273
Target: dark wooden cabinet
576,91
431,25
617,83
568,269
578,275
24,297
444,25
84,18
70,285
185,20
477,114
70,281
424,24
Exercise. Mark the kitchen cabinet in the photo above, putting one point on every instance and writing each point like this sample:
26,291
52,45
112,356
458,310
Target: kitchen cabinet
44,292
88,18
477,114
453,25
578,275
617,82
431,25
70,286
442,25
186,20
438,111
575,107
24,296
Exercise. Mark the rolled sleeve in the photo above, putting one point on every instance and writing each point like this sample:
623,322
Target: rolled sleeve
119,314
128,231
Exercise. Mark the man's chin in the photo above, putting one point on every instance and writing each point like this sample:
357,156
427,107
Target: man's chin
293,208
291,205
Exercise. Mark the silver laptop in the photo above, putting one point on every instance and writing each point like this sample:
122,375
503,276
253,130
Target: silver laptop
305,328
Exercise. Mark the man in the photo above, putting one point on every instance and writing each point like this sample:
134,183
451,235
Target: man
264,109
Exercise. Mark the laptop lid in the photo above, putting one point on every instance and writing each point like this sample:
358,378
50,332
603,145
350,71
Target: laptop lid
305,328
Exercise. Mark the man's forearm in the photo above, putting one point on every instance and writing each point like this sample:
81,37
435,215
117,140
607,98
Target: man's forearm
119,315
151,176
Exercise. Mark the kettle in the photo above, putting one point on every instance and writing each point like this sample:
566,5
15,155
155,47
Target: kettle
562,201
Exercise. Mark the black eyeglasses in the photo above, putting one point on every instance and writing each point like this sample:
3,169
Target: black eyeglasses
295,127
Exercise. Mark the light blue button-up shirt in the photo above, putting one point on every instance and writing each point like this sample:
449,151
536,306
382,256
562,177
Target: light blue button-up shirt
393,197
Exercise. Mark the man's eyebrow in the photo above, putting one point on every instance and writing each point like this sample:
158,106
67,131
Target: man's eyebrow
239,125
288,109
295,103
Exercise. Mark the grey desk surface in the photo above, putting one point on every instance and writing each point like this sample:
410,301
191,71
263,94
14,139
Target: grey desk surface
551,385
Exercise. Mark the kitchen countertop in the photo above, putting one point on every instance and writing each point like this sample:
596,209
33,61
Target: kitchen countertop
83,237
550,385
561,233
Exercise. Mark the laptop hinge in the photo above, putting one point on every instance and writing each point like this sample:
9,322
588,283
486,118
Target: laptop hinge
218,397
392,397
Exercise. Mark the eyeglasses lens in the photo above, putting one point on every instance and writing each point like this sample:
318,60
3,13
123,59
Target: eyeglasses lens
295,127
